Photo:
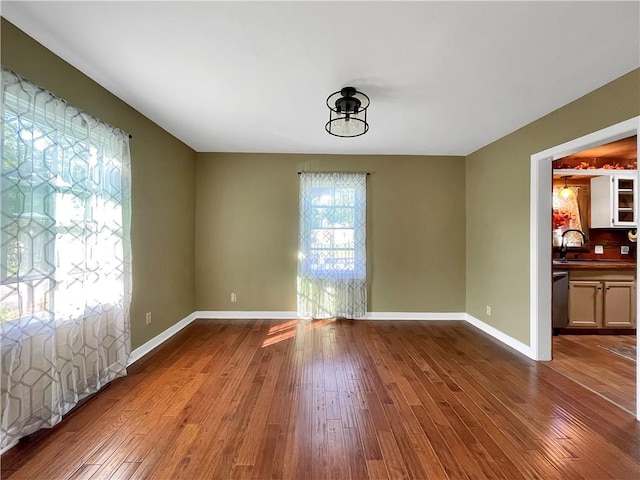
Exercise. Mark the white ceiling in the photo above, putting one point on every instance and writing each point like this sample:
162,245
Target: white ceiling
444,78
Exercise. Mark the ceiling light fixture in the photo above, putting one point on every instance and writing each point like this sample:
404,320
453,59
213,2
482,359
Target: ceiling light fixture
347,113
566,191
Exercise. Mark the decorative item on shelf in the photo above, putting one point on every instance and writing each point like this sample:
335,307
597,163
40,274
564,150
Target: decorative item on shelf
347,113
586,166
595,164
599,165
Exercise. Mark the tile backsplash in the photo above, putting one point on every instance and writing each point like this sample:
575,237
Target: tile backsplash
610,239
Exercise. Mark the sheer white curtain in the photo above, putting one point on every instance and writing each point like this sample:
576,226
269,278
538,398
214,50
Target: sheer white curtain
65,257
332,270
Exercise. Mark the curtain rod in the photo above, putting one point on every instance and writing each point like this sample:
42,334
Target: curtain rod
366,173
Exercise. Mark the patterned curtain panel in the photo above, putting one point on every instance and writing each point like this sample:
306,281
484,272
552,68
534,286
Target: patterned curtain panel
332,267
65,257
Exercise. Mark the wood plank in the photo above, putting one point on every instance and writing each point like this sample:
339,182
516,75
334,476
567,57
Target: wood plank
85,472
125,471
109,465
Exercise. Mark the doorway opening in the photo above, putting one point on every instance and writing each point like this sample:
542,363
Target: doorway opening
541,250
594,261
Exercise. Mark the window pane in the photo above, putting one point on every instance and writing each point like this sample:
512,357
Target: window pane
343,217
345,197
331,234
341,238
332,260
333,217
26,298
322,196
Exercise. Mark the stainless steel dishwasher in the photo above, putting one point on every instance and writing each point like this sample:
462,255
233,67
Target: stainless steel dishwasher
560,300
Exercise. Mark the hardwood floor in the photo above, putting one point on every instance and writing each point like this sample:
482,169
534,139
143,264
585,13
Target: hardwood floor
336,399
582,359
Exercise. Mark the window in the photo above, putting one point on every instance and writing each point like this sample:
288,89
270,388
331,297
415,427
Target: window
332,242
332,229
65,270
61,197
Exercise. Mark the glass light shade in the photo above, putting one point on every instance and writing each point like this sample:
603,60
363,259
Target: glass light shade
342,126
566,192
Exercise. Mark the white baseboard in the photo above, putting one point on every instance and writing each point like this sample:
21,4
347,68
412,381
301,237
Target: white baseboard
142,350
503,337
414,316
245,315
274,315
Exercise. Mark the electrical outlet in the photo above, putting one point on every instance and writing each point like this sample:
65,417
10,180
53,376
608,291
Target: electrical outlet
488,310
147,319
599,250
624,250
233,298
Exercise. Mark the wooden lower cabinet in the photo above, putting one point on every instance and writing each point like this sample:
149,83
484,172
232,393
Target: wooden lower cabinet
585,303
602,300
619,304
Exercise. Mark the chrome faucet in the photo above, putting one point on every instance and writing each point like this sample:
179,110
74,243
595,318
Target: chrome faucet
563,247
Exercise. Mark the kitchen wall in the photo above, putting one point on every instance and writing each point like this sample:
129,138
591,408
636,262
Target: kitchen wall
163,194
247,227
498,178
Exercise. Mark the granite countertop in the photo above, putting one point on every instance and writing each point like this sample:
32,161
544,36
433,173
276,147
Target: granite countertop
592,264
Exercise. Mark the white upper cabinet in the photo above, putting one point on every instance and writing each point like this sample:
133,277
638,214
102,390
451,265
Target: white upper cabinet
613,201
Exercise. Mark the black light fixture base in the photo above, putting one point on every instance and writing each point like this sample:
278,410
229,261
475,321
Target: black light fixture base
348,91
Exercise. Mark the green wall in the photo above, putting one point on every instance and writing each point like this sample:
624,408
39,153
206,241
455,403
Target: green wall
247,224
163,197
498,178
